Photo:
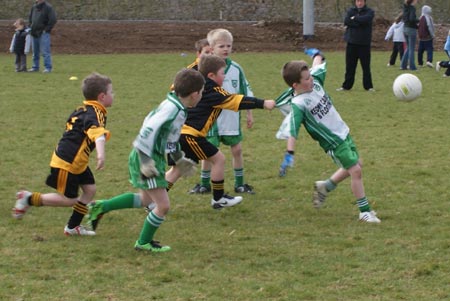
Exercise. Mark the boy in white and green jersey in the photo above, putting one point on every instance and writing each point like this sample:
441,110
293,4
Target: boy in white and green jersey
312,107
157,137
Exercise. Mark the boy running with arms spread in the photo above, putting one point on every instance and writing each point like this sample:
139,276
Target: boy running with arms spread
312,107
200,120
227,129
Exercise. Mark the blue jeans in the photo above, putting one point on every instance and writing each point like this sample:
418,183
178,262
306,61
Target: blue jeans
42,44
408,56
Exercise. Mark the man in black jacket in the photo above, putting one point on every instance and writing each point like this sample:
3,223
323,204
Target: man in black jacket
42,19
358,36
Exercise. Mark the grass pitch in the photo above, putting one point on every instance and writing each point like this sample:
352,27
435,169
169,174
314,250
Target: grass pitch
273,246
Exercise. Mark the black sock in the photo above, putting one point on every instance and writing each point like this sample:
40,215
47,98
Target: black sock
79,211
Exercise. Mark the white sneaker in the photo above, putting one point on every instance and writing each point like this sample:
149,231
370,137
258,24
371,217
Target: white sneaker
320,194
430,64
369,217
340,89
78,230
21,206
226,201
438,66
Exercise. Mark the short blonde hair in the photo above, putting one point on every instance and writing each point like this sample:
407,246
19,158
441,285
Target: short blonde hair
217,35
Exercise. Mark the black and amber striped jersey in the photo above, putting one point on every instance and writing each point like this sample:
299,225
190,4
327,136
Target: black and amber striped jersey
194,64
83,127
214,100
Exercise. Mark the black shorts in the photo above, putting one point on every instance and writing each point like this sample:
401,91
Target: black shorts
195,148
68,183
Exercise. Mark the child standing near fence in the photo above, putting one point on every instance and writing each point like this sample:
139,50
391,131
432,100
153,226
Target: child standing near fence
21,45
395,33
426,37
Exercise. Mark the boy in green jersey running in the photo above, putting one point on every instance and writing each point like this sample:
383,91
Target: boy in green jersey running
147,163
312,107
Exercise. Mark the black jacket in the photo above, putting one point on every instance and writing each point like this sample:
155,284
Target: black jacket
42,18
409,16
359,28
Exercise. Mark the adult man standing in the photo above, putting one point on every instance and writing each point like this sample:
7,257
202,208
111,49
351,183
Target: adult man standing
42,19
358,35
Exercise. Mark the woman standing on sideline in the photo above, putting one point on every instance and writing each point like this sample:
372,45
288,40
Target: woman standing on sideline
410,30
358,36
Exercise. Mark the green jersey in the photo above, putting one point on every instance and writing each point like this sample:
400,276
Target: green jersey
161,128
316,112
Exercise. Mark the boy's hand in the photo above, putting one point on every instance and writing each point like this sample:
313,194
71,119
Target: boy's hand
269,104
186,166
288,161
100,163
312,52
148,169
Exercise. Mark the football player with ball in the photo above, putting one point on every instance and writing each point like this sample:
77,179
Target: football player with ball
312,107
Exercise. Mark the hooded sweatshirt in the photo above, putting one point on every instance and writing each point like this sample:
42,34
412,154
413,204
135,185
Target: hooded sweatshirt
395,32
426,26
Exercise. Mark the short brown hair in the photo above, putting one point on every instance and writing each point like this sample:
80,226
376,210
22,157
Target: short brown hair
292,71
200,44
20,21
188,81
94,84
210,64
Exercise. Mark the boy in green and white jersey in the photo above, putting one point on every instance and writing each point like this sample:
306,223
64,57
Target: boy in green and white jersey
312,107
157,137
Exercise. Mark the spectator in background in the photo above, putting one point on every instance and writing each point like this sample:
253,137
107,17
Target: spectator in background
42,19
426,36
410,31
358,36
20,45
395,33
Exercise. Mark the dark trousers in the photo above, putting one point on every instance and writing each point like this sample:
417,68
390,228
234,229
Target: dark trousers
425,46
21,62
353,53
445,64
397,48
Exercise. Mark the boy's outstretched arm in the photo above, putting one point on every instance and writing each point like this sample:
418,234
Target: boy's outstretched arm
316,55
269,104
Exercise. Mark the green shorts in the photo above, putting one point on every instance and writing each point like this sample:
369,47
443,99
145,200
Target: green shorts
346,154
135,173
226,140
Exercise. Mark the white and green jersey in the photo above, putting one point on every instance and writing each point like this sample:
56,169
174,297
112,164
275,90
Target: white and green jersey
161,128
235,82
283,102
316,112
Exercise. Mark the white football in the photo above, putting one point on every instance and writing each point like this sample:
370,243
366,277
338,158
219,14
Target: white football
407,87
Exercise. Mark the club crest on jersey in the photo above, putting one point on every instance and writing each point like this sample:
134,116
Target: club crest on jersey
234,83
316,87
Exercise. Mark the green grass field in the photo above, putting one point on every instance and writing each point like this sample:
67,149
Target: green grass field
273,246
